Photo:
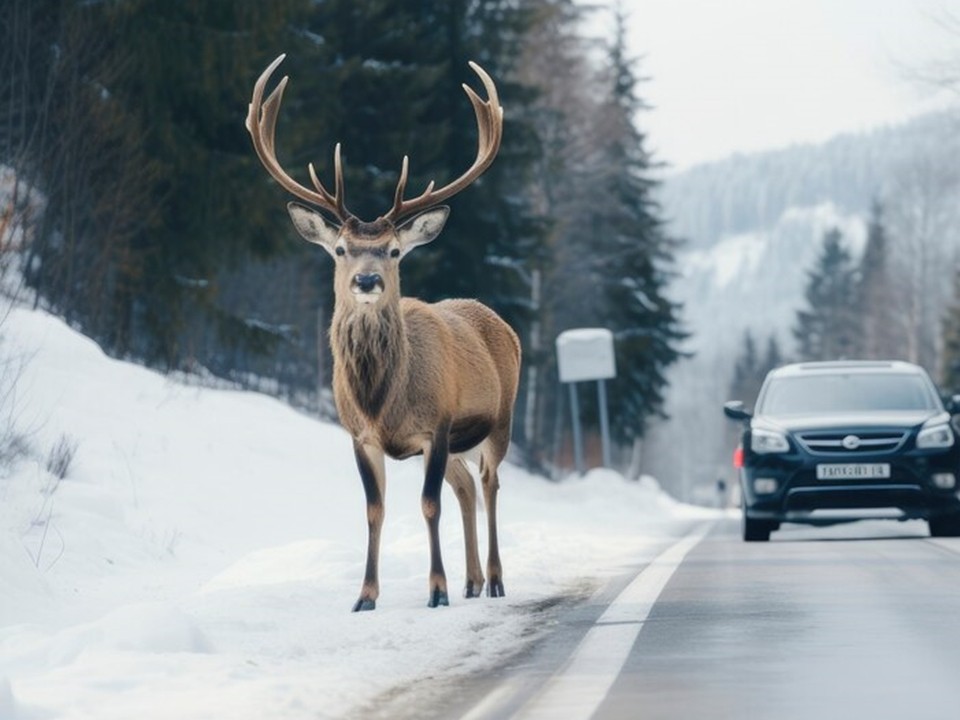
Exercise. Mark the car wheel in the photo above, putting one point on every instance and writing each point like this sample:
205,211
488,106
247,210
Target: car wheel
945,525
756,530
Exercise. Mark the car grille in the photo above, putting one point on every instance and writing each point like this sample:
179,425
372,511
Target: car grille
867,443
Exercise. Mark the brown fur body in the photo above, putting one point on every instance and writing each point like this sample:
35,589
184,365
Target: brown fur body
391,366
439,380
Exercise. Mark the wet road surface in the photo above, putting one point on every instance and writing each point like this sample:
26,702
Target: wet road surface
850,621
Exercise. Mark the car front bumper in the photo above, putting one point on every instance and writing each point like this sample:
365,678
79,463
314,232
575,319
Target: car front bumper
797,495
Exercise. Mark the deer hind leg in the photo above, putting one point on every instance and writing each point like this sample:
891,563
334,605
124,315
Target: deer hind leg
435,460
494,450
372,474
463,485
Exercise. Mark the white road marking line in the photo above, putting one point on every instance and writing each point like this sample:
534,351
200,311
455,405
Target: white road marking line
490,703
578,688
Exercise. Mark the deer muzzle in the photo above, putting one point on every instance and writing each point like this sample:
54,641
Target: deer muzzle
367,287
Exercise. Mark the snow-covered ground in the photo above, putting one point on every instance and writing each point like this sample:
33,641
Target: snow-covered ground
201,556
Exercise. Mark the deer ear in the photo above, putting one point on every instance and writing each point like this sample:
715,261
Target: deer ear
313,226
422,228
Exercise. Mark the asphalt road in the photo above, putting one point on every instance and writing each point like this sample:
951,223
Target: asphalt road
850,621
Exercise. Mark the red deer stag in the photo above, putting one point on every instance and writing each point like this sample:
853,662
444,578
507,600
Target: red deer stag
409,377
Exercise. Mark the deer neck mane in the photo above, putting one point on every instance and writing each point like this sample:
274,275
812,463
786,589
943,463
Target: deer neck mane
371,349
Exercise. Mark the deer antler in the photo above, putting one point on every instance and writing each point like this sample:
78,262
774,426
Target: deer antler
490,131
262,124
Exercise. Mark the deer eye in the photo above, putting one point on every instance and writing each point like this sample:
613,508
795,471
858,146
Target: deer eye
395,253
341,251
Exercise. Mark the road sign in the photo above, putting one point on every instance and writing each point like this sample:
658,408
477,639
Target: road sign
586,354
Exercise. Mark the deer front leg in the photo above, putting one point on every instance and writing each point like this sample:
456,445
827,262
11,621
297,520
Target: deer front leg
372,474
435,461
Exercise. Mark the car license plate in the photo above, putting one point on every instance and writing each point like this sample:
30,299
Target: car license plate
853,471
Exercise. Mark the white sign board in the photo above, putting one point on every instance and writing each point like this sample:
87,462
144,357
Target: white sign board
585,354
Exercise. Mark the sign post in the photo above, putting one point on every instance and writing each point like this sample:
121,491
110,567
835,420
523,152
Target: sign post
587,354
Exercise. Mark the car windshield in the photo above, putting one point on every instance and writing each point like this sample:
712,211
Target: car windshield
846,393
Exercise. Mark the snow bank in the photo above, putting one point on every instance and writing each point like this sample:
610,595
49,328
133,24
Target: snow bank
200,558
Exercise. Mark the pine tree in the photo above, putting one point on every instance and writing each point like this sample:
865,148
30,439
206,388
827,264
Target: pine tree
875,294
631,254
562,117
828,327
608,257
152,184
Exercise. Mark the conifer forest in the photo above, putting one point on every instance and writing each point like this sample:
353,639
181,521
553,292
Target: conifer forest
146,220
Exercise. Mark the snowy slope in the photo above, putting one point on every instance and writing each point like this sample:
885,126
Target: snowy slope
201,556
753,224
755,280
747,192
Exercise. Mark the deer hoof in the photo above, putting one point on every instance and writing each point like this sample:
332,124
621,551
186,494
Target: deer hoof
495,588
473,590
437,598
364,604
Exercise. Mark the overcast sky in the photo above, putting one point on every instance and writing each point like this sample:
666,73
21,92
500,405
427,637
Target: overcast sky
732,76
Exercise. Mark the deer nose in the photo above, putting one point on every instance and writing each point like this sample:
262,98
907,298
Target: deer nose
367,282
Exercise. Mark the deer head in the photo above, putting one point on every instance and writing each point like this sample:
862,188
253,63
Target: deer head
367,254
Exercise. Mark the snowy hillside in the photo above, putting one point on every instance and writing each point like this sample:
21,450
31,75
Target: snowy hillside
745,193
756,279
201,555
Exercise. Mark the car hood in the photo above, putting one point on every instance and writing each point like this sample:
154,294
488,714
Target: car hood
900,419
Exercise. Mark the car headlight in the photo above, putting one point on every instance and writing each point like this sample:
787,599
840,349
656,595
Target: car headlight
768,441
935,436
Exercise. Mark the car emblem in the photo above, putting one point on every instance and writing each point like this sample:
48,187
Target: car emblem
850,442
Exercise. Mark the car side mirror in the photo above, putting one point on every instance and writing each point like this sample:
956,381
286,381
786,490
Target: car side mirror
953,404
735,411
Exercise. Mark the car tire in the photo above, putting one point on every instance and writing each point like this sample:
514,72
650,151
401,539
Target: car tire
756,530
945,525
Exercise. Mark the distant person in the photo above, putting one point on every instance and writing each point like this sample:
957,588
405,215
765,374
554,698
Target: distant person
721,493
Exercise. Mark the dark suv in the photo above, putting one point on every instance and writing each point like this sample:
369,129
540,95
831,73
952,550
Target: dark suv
839,441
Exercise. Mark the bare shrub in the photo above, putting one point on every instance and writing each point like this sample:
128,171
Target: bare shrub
14,441
61,456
